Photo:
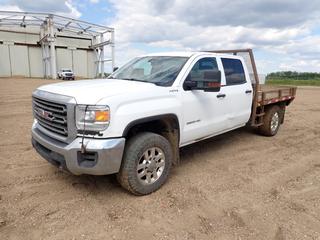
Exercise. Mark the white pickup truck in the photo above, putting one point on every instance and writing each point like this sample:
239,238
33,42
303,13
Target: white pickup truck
66,74
134,122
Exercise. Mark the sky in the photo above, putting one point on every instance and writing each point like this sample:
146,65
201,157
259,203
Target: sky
285,34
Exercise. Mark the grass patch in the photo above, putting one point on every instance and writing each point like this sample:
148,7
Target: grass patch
314,82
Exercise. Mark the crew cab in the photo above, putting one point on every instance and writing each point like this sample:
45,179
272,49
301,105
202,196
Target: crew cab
133,123
66,74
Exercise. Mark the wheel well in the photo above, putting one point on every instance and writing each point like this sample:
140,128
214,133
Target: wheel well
164,125
282,106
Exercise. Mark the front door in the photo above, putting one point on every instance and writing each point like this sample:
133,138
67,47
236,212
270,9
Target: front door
203,112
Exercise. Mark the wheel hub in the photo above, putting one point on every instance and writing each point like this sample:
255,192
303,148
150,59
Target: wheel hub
151,165
274,122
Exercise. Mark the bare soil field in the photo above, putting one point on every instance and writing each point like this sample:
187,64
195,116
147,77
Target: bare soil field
236,186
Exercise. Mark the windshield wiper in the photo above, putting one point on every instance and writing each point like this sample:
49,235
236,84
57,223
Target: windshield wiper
137,80
140,80
162,84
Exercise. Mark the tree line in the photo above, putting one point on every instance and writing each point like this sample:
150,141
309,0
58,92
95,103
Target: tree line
292,75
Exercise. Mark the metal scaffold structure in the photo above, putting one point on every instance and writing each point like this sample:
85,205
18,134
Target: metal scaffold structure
50,25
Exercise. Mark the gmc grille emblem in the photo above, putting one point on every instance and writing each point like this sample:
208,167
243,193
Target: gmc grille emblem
45,114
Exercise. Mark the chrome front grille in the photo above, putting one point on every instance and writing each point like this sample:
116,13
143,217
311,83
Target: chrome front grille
51,116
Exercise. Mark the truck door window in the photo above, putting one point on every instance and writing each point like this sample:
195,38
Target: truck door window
202,65
233,71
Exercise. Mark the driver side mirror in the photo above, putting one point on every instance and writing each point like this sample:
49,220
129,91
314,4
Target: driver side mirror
209,81
115,69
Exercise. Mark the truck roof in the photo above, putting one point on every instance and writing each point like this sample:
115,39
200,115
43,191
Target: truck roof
173,54
187,54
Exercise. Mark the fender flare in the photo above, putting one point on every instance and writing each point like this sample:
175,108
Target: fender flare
150,119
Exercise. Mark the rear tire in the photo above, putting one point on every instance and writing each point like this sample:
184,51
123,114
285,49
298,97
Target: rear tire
271,121
146,163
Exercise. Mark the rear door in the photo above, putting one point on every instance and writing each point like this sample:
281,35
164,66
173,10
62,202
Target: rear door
238,90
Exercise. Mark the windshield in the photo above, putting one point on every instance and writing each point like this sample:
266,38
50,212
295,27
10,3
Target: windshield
154,69
66,70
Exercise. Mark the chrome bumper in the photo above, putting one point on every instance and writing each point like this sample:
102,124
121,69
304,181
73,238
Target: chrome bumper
102,157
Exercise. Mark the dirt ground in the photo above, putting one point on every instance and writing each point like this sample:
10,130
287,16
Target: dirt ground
235,186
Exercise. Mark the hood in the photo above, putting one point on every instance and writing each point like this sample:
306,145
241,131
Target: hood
91,91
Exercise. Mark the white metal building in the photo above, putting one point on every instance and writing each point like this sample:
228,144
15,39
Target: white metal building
39,44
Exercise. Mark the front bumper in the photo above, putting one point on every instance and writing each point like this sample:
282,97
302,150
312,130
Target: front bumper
102,157
68,77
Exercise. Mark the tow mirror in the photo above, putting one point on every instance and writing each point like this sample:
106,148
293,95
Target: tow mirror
189,85
209,81
115,69
212,81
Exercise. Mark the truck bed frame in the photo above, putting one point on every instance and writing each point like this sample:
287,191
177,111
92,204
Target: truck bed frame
263,95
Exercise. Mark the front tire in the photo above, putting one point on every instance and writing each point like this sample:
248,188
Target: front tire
146,163
271,121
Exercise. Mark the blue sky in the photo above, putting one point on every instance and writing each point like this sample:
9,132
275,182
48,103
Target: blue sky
100,12
285,34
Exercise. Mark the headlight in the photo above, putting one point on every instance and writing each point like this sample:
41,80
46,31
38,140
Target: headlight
94,118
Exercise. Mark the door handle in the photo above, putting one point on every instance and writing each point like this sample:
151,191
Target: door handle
221,95
248,91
